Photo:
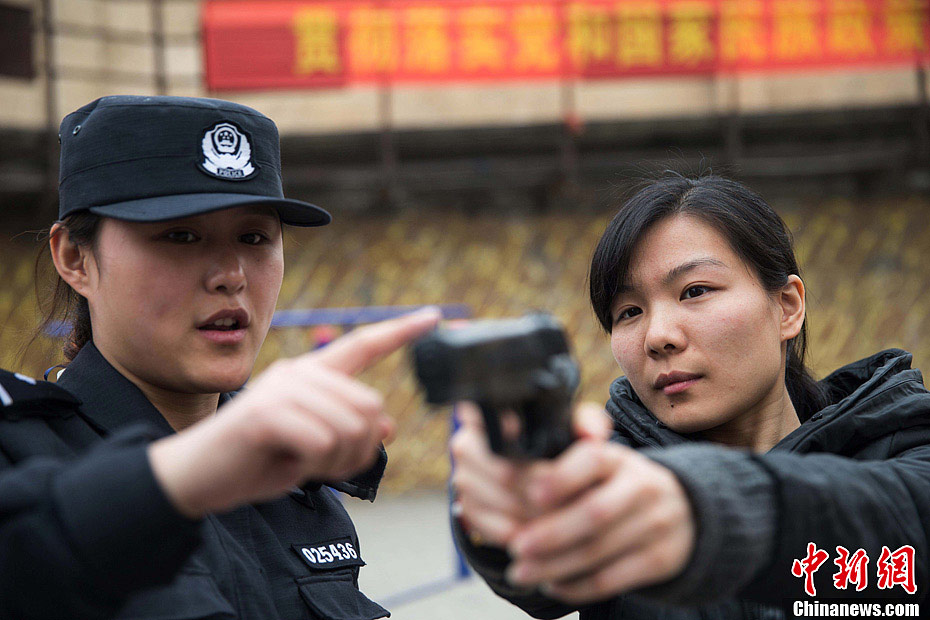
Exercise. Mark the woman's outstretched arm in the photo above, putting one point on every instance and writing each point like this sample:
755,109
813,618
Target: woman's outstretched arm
76,536
752,517
692,524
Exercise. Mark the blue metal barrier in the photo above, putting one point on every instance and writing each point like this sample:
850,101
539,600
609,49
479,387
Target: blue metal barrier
357,316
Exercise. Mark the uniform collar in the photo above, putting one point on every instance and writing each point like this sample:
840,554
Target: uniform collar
110,400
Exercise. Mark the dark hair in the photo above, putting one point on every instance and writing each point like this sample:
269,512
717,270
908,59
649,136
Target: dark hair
755,232
60,302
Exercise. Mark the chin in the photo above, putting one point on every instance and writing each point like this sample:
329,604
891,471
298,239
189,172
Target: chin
224,373
219,382
681,420
688,427
229,384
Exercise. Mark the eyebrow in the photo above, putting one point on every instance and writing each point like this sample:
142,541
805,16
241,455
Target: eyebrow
676,272
684,268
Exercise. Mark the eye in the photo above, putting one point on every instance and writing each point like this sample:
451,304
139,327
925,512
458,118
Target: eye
694,291
181,236
627,313
253,238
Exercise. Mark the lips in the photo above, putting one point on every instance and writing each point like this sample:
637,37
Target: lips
675,381
226,320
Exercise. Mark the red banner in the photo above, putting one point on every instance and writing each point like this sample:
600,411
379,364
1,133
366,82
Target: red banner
260,44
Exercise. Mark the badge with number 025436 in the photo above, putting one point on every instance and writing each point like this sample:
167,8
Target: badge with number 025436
330,554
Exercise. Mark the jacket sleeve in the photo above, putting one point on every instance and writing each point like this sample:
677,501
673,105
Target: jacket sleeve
756,515
834,501
491,562
77,536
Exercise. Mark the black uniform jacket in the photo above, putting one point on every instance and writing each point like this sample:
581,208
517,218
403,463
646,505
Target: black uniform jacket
856,474
86,532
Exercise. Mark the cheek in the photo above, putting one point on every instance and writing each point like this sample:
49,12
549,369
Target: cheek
625,347
743,336
266,277
146,291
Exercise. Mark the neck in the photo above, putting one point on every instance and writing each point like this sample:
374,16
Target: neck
179,409
760,428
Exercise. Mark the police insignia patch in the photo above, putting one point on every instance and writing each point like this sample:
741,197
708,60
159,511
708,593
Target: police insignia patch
227,153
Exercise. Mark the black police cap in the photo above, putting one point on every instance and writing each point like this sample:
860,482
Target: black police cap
148,159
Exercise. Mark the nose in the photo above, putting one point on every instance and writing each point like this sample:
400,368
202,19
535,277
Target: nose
664,333
226,275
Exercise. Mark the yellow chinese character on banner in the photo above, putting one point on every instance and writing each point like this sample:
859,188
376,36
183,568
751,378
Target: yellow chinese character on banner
742,31
689,38
482,44
317,41
372,41
588,34
904,22
426,40
794,29
536,30
640,34
849,28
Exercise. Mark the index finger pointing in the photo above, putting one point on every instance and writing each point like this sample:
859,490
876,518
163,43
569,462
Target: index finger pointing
359,349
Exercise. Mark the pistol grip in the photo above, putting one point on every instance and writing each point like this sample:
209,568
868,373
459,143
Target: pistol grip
492,425
547,430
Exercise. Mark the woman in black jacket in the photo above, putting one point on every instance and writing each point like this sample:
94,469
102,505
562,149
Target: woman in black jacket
750,489
135,487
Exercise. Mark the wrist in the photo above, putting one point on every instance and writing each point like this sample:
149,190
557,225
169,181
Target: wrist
167,467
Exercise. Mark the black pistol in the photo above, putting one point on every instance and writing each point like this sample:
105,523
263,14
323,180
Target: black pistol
521,365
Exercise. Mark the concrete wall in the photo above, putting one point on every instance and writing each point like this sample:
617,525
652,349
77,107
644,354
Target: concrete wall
128,67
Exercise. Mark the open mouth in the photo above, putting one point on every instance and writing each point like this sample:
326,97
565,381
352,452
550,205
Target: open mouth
223,325
225,321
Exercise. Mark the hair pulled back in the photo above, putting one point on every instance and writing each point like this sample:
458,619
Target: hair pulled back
755,232
59,302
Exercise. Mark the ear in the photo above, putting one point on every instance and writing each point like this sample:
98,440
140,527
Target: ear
791,300
73,262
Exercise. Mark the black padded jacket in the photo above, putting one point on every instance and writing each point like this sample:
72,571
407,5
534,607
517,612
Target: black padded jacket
855,474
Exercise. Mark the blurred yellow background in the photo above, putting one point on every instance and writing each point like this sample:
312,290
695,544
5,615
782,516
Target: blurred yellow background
865,265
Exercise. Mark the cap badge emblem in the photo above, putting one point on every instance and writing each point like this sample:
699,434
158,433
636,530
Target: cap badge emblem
227,153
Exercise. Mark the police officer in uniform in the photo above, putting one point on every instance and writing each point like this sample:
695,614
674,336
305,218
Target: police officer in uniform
137,486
